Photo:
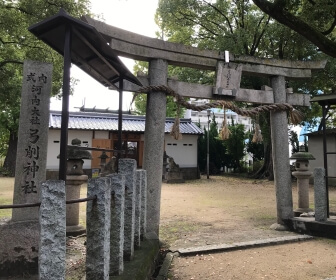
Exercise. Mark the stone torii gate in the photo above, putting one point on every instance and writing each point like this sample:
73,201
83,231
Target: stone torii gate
160,54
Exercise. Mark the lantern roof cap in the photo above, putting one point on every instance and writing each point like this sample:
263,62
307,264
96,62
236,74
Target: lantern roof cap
302,155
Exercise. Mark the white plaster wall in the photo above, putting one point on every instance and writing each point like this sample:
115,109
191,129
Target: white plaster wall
101,135
315,144
54,145
183,151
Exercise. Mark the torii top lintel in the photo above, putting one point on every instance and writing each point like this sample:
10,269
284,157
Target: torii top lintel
139,47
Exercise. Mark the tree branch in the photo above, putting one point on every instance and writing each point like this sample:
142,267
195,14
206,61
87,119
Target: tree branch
256,38
3,63
222,14
19,9
331,28
309,32
191,19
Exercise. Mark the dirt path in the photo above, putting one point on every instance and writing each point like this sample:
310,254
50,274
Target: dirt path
227,210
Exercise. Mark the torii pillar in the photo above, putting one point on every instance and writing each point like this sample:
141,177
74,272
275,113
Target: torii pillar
154,141
280,154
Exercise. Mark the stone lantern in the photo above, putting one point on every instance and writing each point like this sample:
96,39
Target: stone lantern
103,157
302,174
75,158
74,180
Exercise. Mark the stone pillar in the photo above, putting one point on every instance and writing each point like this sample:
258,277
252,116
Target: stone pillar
138,197
52,231
31,157
280,154
320,195
154,142
117,224
143,218
98,223
127,167
73,186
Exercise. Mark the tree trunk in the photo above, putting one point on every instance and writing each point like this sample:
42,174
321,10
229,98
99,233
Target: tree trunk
270,173
10,159
266,170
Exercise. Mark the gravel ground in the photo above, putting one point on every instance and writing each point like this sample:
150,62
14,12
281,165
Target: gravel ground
228,210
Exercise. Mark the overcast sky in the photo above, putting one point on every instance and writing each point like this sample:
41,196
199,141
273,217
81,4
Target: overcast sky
132,15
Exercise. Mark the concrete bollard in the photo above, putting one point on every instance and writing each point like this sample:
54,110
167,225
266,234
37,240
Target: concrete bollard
143,217
98,223
117,224
127,167
52,230
320,195
138,197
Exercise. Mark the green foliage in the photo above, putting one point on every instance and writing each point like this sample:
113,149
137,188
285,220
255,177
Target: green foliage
217,149
294,141
4,135
140,101
236,144
311,36
222,25
4,172
255,149
18,44
227,153
313,19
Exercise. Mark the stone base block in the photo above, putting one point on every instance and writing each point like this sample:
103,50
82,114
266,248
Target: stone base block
19,249
75,230
279,227
174,177
299,211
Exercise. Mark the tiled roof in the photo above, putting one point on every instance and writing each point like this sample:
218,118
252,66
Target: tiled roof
103,121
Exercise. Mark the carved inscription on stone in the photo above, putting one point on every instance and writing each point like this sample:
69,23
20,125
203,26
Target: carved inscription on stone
228,78
33,136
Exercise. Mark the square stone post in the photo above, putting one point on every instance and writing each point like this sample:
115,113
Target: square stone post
52,230
117,224
143,217
127,167
280,153
31,156
320,195
98,223
154,142
137,232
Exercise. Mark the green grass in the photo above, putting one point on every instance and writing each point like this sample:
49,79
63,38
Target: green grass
173,231
6,196
82,206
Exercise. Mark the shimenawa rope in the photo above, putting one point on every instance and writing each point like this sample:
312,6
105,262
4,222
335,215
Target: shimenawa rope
295,116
